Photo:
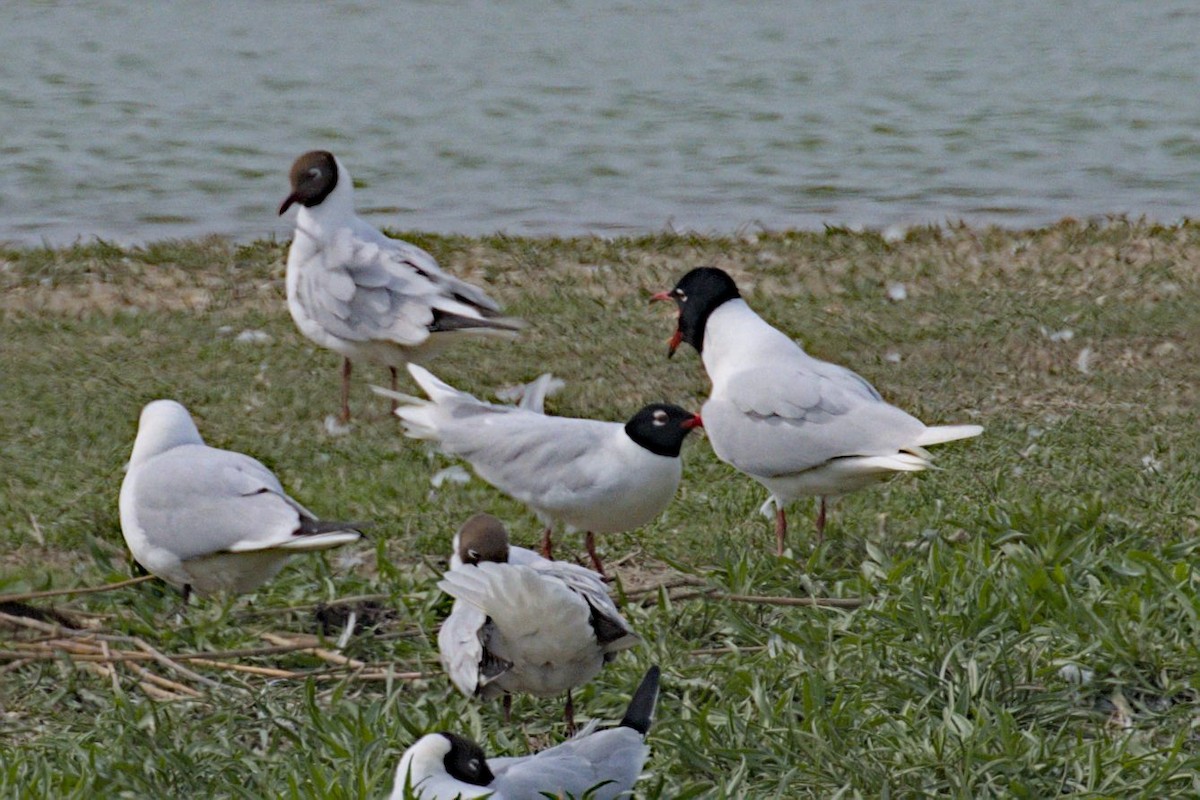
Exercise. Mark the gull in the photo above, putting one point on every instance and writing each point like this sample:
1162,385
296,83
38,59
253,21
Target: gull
597,764
523,623
598,477
797,425
209,520
359,293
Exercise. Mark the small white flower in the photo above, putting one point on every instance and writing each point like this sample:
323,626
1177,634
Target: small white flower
454,474
254,337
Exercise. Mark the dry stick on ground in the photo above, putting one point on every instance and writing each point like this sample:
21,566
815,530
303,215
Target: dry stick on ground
320,652
340,601
108,587
48,649
74,635
766,600
92,650
674,582
724,651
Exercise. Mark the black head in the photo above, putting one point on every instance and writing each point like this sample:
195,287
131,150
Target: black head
466,761
483,538
661,428
314,176
698,294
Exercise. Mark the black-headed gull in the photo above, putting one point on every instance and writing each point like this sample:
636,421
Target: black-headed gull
361,294
523,623
599,765
593,476
209,520
797,425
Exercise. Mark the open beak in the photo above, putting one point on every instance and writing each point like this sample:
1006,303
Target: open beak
656,298
287,203
694,422
673,344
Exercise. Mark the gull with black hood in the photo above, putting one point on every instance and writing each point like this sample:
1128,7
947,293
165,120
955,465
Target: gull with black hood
797,425
359,293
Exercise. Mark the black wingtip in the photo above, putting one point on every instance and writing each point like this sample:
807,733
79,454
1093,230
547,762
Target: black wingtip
310,527
640,713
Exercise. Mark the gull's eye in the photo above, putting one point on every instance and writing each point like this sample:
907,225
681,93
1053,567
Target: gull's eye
680,295
473,555
660,417
473,766
315,172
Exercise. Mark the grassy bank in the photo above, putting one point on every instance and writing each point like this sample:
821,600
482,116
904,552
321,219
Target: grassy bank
1029,626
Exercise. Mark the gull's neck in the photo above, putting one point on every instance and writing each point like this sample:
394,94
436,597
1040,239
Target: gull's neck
734,336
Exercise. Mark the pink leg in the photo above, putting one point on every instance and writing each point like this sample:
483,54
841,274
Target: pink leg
395,403
780,529
547,545
821,521
345,391
569,714
589,541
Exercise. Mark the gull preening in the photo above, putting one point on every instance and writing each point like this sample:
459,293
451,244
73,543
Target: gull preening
361,294
597,764
797,425
593,476
209,520
523,623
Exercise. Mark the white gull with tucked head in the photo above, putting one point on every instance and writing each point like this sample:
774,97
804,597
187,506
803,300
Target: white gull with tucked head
210,520
797,425
597,764
523,623
361,294
598,477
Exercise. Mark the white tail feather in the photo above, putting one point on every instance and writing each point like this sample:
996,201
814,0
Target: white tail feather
898,462
519,600
316,541
947,433
438,390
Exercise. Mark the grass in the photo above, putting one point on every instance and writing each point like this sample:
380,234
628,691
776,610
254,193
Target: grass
1030,625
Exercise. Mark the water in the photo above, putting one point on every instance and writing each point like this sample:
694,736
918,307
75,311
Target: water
140,121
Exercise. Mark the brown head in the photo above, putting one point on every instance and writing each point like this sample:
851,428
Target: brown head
482,538
314,176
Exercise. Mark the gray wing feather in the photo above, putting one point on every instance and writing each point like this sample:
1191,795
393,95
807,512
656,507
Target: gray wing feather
614,757
771,421
199,500
459,646
367,287
525,453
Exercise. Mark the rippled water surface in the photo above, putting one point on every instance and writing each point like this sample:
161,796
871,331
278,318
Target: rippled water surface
138,121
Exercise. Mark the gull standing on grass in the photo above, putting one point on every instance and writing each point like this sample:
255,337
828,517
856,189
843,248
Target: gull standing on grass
209,520
355,291
598,477
797,425
598,765
522,623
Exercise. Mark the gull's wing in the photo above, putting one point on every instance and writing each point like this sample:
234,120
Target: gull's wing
362,287
196,500
782,418
610,759
531,456
541,621
460,648
612,631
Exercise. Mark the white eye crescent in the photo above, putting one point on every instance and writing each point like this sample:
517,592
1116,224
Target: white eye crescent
660,417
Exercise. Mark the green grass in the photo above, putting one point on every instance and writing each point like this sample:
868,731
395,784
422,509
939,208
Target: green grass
1063,537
